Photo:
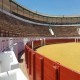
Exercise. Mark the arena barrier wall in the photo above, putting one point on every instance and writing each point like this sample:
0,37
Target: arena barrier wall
54,41
42,68
37,43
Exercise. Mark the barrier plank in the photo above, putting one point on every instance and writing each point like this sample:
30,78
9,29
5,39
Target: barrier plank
51,71
53,41
67,74
32,75
36,43
38,67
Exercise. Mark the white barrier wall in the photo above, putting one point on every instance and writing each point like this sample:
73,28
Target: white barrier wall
16,74
8,61
14,48
9,66
4,44
18,43
3,76
7,43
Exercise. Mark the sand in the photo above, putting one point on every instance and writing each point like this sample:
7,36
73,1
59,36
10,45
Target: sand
67,54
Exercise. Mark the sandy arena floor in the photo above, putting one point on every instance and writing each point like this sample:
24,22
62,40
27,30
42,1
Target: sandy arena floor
67,54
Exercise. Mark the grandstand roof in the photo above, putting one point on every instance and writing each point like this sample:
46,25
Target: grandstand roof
59,7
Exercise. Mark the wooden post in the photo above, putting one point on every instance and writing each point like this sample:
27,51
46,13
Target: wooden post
29,62
42,68
57,72
33,66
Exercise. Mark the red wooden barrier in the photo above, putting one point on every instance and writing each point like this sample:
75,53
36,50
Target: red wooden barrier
36,43
29,44
78,40
38,67
32,73
67,74
41,68
52,41
29,61
50,70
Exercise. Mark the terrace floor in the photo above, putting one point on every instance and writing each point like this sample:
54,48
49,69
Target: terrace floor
21,60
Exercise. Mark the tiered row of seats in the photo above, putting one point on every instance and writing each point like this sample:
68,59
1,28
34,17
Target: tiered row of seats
42,30
10,26
14,27
65,31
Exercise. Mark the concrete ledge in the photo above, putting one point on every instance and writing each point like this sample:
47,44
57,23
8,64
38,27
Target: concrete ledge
4,76
15,74
8,61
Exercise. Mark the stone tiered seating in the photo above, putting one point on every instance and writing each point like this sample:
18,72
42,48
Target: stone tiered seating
65,31
20,28
10,26
42,30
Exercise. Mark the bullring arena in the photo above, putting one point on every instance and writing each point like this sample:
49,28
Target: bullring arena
34,46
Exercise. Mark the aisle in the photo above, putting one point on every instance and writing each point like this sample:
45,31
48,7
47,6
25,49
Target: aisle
22,64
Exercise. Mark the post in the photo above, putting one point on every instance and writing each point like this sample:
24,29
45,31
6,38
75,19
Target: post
33,66
56,72
42,68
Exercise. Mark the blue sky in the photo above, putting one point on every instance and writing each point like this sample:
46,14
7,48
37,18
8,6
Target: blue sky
53,7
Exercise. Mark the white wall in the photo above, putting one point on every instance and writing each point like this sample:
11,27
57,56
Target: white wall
9,66
4,76
8,61
16,74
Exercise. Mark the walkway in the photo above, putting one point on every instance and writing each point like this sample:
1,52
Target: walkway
22,64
